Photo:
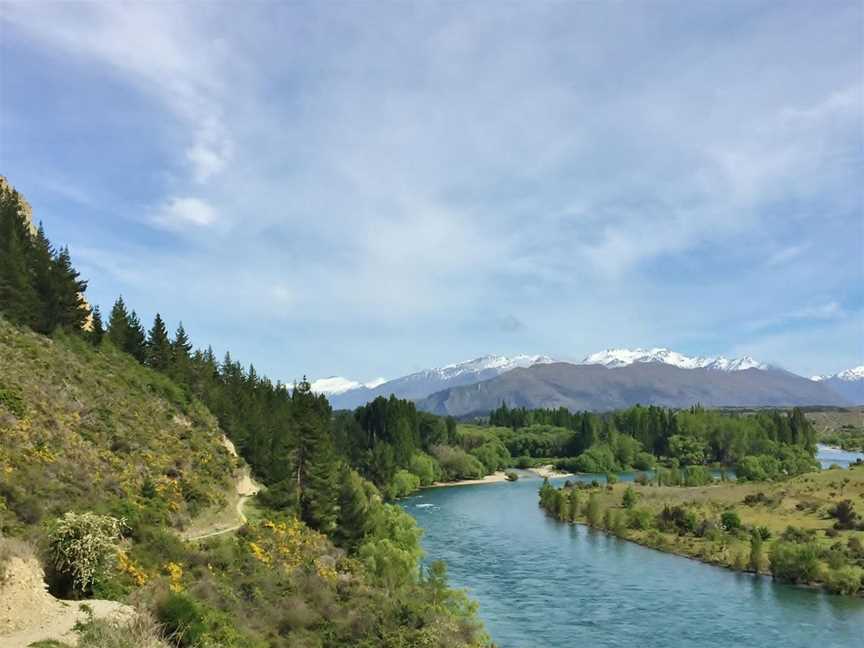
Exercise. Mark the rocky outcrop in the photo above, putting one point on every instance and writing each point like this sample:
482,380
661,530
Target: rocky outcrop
25,209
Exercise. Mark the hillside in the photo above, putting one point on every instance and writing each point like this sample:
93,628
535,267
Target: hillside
146,496
87,429
598,388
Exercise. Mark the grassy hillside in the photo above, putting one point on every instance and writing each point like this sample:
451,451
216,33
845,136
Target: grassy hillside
86,429
88,433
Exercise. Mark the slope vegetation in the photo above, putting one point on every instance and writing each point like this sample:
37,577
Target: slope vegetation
88,436
93,430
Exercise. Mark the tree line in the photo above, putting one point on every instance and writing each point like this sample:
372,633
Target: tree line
763,444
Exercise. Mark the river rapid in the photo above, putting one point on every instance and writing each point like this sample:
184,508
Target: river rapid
541,583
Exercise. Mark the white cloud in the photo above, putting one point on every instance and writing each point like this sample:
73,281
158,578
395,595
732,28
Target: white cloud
180,213
157,48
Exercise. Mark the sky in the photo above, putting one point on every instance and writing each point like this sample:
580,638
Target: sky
370,188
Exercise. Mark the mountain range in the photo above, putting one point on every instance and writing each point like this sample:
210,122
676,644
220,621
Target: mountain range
418,385
606,380
849,384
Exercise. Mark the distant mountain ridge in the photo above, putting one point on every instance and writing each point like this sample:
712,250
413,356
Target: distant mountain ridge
765,384
422,383
625,357
848,383
600,388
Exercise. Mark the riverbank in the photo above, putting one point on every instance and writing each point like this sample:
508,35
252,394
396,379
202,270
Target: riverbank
501,476
715,524
494,478
549,471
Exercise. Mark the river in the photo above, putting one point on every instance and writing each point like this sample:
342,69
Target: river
541,583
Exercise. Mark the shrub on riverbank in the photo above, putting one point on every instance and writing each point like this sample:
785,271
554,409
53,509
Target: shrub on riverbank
781,529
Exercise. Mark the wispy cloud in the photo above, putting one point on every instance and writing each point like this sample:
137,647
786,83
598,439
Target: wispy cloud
599,176
786,254
179,213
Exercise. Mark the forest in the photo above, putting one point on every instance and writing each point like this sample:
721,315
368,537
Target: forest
761,445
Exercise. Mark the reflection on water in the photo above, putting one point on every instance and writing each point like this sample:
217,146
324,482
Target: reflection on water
545,584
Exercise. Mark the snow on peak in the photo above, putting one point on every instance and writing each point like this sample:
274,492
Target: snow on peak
339,385
494,362
855,373
849,375
623,357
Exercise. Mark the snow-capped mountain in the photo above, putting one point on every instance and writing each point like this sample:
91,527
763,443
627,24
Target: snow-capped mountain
339,385
422,383
848,375
848,383
624,357
494,363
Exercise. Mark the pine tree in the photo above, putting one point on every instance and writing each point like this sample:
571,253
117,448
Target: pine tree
159,351
180,358
354,510
315,461
71,310
97,329
19,301
118,324
41,262
136,339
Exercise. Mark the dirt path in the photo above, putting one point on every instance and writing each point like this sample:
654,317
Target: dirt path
28,613
246,487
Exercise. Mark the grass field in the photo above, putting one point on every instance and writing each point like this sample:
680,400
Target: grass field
802,503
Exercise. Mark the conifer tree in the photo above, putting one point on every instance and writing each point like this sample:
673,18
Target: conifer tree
314,459
71,310
136,339
97,329
159,351
354,510
18,298
118,324
180,355
41,262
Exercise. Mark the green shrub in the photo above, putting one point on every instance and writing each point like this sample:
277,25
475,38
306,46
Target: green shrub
644,461
640,519
182,617
524,462
628,501
845,580
697,476
404,483
425,467
12,402
457,464
81,546
493,455
794,562
730,521
597,459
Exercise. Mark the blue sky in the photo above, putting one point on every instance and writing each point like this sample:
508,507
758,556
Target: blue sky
366,189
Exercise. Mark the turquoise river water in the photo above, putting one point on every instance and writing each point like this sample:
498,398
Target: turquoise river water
541,583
